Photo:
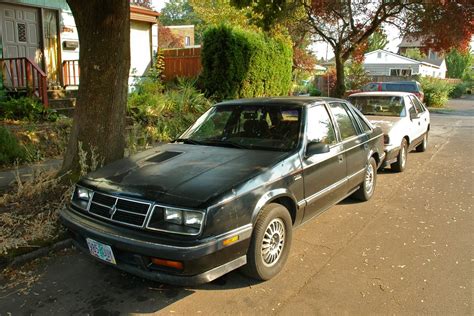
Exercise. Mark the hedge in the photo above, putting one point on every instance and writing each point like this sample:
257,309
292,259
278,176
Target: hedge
436,91
242,64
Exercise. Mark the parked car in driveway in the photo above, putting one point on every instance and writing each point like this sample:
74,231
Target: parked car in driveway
403,118
396,86
228,192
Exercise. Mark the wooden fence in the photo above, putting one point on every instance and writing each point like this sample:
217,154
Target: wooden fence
182,62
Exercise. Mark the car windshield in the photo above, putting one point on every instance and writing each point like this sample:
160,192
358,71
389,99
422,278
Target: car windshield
267,127
379,105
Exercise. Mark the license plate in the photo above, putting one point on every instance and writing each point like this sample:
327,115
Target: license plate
101,251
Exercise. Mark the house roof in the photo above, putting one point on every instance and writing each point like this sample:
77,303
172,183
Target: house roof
411,42
428,62
142,14
437,62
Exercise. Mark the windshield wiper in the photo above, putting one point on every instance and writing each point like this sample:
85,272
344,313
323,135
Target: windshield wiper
187,141
225,143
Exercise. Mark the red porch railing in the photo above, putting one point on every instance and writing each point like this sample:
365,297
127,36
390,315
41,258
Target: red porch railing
22,73
70,73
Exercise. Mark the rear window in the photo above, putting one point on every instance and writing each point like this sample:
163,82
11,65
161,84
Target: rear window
379,105
402,87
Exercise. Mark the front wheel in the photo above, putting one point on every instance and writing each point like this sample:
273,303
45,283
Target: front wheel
424,144
400,164
270,243
367,188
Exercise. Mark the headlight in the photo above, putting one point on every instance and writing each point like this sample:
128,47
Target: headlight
174,220
81,197
83,193
174,216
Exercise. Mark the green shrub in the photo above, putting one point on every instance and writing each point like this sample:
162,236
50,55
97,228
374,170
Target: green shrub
436,91
25,108
10,149
163,115
314,92
458,90
238,63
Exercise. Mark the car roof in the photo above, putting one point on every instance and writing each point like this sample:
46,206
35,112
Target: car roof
295,101
381,93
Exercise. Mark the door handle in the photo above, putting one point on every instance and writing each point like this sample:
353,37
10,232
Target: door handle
340,158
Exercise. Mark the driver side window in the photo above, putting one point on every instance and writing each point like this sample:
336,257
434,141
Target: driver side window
320,126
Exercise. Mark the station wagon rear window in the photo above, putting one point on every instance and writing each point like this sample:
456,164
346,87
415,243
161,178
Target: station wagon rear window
379,105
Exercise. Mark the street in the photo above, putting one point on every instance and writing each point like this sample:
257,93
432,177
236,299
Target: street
409,250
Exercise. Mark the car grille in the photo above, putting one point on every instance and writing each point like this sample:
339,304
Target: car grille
119,210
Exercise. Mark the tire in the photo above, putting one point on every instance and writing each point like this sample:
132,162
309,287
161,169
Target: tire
401,163
424,144
275,222
367,188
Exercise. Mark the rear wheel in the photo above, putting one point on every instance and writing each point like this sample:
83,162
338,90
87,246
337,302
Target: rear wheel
270,243
424,144
401,162
367,188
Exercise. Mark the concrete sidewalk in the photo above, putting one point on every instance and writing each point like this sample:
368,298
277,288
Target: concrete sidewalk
7,177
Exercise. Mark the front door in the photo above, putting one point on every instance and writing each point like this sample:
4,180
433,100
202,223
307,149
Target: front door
324,173
20,32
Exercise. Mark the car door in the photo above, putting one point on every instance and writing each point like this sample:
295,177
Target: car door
415,132
354,142
324,173
423,113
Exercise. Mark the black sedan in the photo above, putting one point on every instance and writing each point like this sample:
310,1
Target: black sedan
228,193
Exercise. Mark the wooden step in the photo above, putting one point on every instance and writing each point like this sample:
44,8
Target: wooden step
62,103
61,94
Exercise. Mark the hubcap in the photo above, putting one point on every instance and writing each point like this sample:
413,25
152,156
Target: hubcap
369,179
273,242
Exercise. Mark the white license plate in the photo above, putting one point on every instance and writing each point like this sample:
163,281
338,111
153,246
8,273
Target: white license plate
101,251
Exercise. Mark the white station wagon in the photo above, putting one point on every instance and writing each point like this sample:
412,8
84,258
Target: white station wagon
404,119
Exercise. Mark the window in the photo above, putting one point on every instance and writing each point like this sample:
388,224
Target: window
320,128
400,72
419,107
187,41
379,55
365,126
21,32
344,121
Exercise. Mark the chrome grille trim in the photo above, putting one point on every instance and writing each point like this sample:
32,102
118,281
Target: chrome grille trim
114,209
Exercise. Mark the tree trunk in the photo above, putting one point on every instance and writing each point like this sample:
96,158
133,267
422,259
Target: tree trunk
340,79
99,116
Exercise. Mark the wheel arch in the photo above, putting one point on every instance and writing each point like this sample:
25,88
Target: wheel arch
280,196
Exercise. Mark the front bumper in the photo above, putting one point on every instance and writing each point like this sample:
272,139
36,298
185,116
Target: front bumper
203,260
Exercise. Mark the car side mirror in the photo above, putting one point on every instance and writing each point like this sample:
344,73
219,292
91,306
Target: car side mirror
414,115
314,148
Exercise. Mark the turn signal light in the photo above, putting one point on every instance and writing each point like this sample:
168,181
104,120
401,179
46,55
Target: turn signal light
230,240
167,263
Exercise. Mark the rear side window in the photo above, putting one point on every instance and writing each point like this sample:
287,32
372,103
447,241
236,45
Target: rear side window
365,127
343,119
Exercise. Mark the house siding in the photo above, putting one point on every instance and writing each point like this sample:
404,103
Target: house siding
384,69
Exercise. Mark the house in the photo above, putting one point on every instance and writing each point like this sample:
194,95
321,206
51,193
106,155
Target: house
182,34
384,63
39,44
410,42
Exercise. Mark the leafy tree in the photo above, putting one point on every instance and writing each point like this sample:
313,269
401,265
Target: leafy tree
458,63
346,25
99,115
166,38
142,3
178,12
378,40
414,53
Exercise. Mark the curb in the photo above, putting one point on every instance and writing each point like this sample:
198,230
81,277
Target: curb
22,259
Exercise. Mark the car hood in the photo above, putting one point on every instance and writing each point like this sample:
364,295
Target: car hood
180,174
386,123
